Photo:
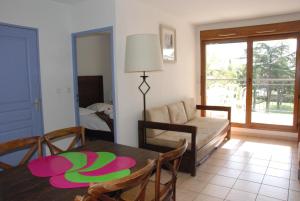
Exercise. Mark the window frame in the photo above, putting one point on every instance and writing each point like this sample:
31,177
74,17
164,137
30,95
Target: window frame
251,34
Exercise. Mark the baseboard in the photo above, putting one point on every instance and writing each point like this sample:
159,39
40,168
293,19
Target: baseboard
265,134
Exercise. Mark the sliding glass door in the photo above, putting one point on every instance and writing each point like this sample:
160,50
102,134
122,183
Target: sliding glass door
226,65
274,76
256,77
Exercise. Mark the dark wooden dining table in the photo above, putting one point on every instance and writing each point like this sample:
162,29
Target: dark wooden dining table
18,184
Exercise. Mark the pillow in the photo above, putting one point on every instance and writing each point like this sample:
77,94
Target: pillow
109,111
159,114
177,113
99,107
85,111
190,108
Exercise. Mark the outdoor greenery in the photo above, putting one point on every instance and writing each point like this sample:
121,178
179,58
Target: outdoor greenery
273,76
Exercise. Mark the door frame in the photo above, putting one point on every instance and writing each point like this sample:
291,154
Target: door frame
249,79
75,65
38,72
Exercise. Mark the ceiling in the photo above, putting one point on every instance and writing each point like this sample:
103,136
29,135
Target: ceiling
212,11
68,1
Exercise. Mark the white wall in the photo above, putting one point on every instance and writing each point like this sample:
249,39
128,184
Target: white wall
175,82
92,14
94,58
53,22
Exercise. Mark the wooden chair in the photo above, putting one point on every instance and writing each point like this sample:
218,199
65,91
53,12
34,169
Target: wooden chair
49,138
157,190
33,143
139,179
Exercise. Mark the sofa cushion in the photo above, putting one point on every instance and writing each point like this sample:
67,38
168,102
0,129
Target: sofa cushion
159,114
177,113
207,129
206,125
190,108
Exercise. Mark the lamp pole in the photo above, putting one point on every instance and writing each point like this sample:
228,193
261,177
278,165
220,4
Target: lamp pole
144,92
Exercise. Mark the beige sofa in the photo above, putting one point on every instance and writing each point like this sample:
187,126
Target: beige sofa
167,124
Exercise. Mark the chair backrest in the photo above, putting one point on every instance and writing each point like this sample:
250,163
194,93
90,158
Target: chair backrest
171,161
139,179
77,132
31,143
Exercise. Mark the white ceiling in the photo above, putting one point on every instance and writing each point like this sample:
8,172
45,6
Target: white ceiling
211,11
68,1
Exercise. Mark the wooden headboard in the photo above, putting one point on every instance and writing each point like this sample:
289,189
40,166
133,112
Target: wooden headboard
90,90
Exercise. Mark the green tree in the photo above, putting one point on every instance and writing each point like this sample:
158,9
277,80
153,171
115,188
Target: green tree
271,62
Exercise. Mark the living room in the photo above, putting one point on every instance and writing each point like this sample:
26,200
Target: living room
225,68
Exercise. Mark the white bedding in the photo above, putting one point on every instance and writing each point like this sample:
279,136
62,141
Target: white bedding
101,107
93,122
90,120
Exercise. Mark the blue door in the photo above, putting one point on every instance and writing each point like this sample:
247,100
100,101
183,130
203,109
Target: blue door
20,96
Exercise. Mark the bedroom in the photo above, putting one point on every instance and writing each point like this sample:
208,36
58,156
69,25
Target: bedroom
93,52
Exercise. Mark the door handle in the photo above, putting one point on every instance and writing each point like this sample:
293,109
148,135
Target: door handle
37,104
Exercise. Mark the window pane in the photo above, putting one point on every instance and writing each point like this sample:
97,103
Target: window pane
226,78
274,69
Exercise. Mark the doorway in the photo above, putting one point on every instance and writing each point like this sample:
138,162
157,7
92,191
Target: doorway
93,82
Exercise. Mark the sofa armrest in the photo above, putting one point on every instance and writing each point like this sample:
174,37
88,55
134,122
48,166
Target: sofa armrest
216,108
143,125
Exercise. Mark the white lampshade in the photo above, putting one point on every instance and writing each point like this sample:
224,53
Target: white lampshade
143,53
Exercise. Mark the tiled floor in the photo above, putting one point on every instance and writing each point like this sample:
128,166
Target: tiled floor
245,169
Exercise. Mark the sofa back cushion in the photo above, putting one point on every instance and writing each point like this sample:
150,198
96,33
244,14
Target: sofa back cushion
177,113
159,114
190,108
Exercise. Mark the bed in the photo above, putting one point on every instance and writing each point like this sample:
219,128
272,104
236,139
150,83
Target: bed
95,115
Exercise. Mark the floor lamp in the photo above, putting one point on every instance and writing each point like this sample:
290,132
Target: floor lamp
143,54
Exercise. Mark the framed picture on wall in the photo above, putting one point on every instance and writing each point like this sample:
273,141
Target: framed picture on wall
168,43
